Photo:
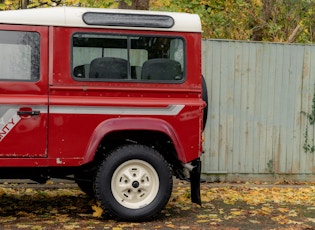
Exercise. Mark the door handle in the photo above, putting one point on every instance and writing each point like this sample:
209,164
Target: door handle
28,113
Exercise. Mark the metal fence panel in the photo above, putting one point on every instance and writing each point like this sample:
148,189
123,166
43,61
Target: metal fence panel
259,95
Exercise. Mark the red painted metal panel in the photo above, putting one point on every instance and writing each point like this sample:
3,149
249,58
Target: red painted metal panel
75,134
81,113
24,135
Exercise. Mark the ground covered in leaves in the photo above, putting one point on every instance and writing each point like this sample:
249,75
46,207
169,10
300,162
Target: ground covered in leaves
225,206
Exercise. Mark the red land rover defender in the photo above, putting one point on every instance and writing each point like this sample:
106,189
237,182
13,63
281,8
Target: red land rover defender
113,97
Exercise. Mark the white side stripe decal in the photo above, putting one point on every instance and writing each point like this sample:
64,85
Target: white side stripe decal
169,110
10,118
7,122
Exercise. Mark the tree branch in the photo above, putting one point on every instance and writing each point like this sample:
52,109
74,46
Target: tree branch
294,34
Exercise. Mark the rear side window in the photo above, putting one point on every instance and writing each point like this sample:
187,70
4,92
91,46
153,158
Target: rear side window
19,55
99,57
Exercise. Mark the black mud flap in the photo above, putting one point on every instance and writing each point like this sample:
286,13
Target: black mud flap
195,182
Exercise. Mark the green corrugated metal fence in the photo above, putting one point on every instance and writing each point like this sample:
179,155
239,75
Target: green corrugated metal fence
259,95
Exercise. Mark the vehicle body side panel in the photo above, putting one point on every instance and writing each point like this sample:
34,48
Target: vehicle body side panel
72,102
79,112
18,132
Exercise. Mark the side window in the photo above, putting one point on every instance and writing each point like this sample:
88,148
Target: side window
19,55
98,57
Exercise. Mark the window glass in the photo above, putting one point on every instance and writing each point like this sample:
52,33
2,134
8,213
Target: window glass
19,55
98,57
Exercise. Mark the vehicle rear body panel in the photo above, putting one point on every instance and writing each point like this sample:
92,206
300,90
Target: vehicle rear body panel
71,116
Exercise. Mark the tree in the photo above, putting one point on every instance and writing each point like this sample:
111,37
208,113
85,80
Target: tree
134,4
286,21
24,3
255,20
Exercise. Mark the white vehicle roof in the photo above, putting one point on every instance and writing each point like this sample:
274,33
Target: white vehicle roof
103,18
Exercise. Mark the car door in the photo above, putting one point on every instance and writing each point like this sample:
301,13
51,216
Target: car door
23,91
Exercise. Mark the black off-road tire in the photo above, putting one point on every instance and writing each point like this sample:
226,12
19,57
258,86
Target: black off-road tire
134,183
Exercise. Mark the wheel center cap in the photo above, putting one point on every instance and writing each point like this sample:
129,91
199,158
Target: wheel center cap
135,184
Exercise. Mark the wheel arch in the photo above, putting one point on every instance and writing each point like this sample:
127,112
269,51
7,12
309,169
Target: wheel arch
125,125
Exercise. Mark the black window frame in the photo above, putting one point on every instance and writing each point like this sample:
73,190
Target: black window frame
129,37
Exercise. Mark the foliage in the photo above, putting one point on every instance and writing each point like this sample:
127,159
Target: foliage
256,20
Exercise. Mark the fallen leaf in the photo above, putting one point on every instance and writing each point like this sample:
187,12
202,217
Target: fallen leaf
212,216
254,221
283,210
266,210
236,212
98,211
295,222
170,225
280,219
311,219
49,182
292,213
202,216
203,221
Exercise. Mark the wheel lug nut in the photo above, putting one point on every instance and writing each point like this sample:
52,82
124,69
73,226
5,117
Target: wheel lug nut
135,184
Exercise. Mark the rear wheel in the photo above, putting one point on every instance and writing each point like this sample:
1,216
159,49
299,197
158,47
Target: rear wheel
134,183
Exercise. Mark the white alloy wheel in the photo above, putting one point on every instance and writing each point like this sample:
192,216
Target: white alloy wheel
128,183
135,184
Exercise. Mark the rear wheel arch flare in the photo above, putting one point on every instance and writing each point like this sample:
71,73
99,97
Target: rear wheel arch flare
131,124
